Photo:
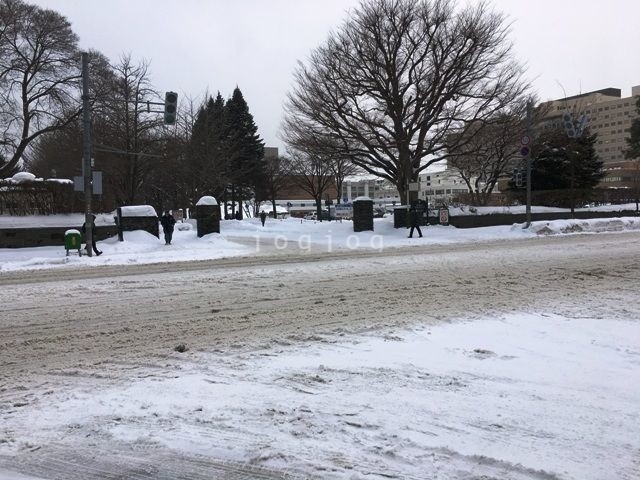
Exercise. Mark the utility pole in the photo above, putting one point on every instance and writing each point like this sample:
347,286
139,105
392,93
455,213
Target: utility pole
86,153
526,151
575,130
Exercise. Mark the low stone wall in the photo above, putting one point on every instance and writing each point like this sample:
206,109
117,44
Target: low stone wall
47,236
148,224
475,221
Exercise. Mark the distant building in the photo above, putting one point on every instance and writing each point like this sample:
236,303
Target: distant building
270,152
445,186
609,115
381,191
437,187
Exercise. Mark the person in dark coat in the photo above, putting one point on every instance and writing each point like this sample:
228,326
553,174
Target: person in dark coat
167,221
92,222
415,221
263,217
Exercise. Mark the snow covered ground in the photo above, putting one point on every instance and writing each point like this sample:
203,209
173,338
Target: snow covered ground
248,237
285,378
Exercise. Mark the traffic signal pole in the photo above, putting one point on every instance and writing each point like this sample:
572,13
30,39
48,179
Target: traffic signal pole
86,154
528,208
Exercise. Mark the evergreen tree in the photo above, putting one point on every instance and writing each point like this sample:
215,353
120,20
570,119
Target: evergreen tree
563,163
207,149
246,169
633,152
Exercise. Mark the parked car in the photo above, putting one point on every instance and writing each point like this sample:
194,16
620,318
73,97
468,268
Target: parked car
314,215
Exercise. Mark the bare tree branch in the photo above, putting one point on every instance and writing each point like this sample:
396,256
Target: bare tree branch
39,77
401,79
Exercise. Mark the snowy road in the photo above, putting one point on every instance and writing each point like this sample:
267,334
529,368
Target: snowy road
67,333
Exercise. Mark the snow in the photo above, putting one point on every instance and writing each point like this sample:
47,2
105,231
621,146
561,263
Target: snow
268,208
520,209
23,177
537,393
248,237
62,181
138,211
362,199
207,200
517,395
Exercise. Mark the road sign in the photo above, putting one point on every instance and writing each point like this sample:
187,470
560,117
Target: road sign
525,140
524,151
96,181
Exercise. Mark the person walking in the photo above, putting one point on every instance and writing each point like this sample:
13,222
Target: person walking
263,217
415,221
92,222
167,221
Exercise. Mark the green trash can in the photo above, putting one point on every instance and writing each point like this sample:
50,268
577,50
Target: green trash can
73,241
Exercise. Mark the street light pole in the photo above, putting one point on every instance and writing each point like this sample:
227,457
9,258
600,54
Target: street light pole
86,153
528,208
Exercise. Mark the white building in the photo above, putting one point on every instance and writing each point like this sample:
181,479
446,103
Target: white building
436,187
441,187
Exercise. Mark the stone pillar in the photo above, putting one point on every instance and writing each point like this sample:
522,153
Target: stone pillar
138,217
362,214
207,216
401,216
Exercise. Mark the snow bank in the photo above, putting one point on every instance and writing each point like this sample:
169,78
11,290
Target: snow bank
138,211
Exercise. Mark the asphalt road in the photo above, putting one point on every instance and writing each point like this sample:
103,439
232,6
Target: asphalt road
104,325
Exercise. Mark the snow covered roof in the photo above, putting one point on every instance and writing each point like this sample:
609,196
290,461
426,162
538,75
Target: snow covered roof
363,199
267,207
138,211
207,200
22,177
59,180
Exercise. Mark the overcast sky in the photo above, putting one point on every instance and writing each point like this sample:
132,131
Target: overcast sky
213,45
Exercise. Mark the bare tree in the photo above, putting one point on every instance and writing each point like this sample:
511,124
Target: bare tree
134,138
402,78
312,173
59,152
277,177
39,77
492,149
330,148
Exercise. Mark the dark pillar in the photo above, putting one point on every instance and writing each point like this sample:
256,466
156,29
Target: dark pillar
207,216
362,214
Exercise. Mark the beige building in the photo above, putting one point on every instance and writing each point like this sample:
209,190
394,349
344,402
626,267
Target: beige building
607,113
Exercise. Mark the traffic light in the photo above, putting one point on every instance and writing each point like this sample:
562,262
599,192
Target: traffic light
582,125
170,108
567,122
518,179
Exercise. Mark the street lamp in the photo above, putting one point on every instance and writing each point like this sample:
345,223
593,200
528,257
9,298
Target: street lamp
574,128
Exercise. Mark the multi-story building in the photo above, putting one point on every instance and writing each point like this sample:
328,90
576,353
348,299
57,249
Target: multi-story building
441,187
381,191
608,114
436,187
